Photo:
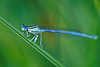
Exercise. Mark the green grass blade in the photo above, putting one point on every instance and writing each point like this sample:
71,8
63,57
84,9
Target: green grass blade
34,46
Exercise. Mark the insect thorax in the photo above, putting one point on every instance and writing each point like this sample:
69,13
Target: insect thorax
34,30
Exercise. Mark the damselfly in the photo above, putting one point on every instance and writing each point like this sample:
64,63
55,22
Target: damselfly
36,30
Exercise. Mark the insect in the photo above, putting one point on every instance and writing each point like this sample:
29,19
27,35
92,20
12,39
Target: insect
36,31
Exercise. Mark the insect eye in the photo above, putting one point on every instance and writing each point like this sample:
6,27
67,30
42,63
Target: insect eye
24,29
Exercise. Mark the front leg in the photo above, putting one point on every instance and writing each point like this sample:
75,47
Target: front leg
27,34
34,39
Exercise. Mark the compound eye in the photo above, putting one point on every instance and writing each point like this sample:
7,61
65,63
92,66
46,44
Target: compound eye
24,29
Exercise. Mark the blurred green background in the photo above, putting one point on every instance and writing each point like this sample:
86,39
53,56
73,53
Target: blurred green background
77,15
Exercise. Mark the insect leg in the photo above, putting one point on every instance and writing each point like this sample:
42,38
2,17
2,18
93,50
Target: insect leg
27,34
33,38
36,36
